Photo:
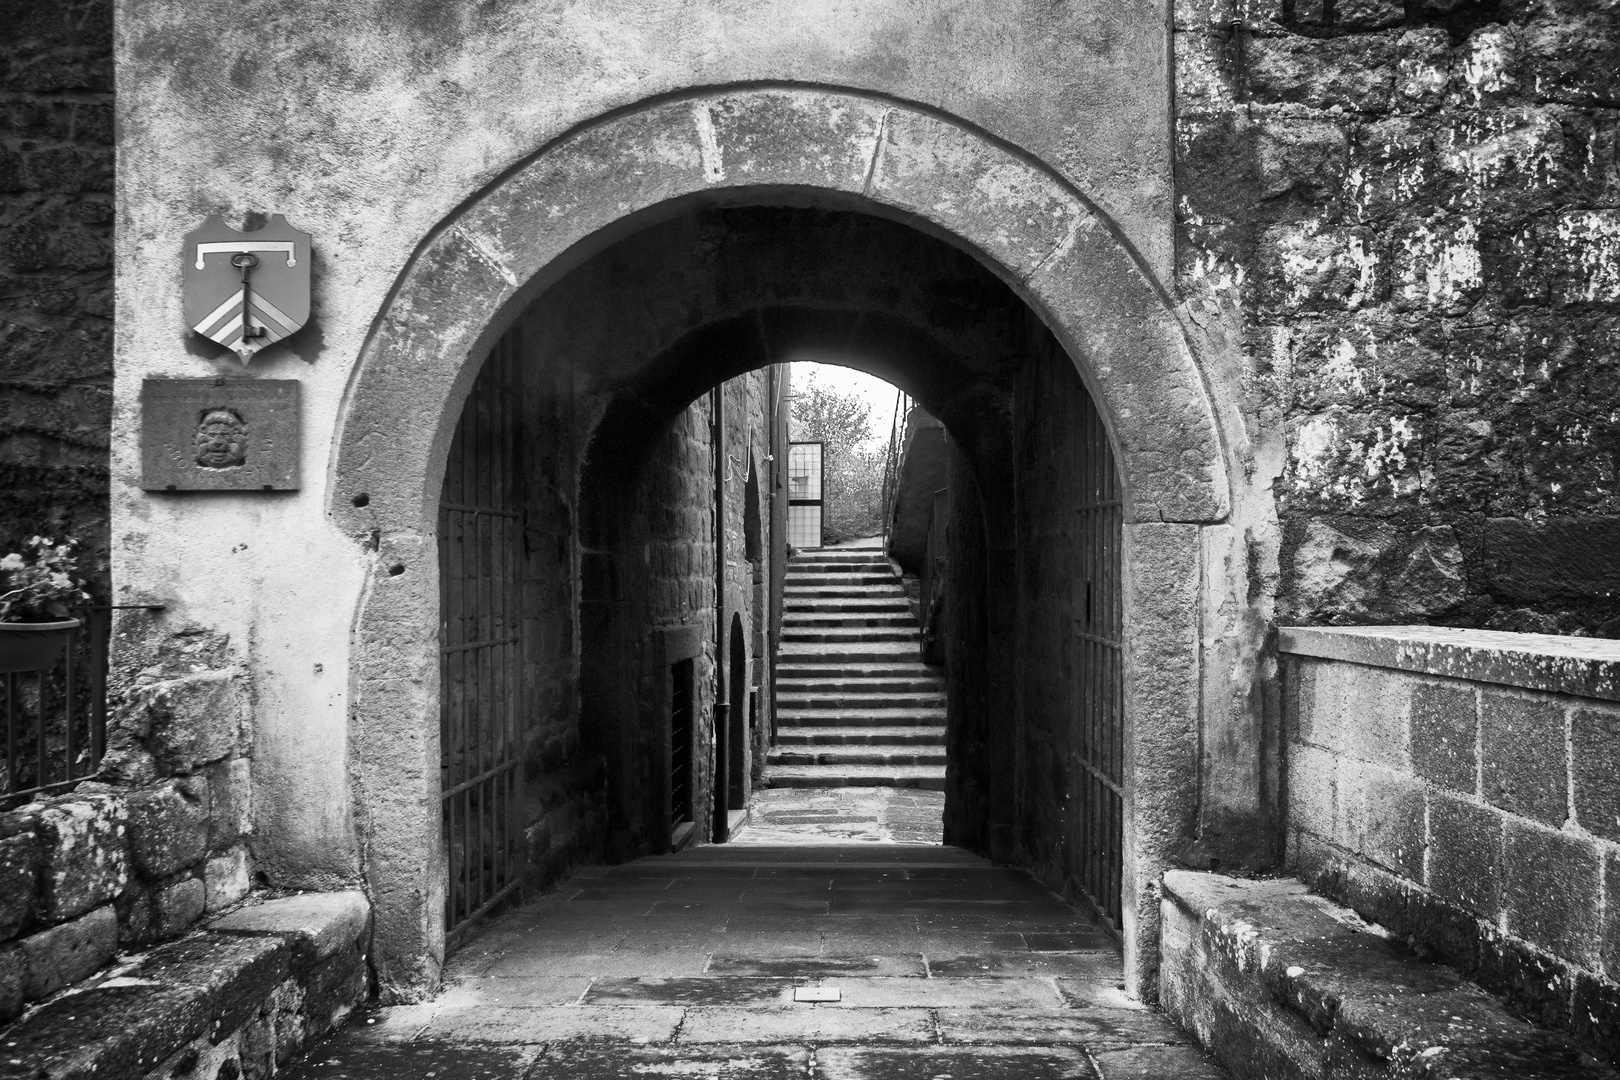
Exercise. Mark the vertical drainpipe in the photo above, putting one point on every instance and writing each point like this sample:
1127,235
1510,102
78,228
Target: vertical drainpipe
722,708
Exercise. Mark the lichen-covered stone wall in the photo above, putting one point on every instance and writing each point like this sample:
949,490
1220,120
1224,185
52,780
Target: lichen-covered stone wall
1412,210
56,212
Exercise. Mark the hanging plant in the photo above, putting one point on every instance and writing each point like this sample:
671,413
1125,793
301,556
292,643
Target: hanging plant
41,584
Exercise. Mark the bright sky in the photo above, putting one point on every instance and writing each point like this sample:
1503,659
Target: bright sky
877,393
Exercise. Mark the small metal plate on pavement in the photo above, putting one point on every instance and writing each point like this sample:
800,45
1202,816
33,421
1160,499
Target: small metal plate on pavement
816,993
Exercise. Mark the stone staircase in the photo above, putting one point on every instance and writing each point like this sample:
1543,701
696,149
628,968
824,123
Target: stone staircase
856,706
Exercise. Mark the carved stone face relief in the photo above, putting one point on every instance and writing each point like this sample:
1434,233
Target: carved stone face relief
221,440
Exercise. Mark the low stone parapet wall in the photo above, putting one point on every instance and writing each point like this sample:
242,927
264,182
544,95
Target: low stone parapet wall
1462,788
234,1001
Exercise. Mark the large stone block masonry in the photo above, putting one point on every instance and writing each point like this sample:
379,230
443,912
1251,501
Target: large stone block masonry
1469,850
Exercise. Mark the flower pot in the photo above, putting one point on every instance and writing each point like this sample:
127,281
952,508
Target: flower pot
33,646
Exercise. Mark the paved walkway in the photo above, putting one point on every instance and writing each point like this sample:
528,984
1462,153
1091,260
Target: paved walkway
844,815
919,962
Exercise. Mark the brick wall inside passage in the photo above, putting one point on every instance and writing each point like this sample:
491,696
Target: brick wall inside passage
1479,821
1414,212
56,211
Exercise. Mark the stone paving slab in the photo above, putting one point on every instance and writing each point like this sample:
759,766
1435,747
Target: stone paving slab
943,964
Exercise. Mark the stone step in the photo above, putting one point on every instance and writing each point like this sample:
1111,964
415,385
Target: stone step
814,619
863,594
798,688
889,734
826,670
845,580
928,777
854,608
855,716
1277,982
847,757
851,653
851,635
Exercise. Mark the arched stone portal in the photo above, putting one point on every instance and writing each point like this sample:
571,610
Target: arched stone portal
469,280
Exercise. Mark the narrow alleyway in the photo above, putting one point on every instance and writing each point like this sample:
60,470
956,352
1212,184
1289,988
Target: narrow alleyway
856,705
917,962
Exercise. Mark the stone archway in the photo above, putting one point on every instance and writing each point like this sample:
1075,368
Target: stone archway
508,243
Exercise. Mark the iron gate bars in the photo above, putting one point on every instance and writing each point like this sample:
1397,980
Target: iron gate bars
1098,636
806,504
480,665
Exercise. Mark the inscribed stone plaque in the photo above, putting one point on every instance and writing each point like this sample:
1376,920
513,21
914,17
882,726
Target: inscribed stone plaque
219,435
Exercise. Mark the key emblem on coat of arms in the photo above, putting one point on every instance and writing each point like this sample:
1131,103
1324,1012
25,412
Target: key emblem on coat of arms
246,290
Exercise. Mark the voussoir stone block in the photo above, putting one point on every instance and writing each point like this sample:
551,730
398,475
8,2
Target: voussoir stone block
167,831
83,862
64,954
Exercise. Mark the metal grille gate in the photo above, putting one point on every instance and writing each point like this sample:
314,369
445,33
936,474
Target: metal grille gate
480,672
1101,805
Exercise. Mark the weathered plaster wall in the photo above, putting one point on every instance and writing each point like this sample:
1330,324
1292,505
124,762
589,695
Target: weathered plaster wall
56,180
1406,215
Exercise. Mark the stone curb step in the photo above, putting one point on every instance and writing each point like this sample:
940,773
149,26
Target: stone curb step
208,989
1279,983
927,777
933,735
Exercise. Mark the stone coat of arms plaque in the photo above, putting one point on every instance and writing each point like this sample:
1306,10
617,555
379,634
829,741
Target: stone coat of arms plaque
246,290
219,435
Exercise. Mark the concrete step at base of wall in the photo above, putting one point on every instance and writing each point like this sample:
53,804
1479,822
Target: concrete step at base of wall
927,777
887,734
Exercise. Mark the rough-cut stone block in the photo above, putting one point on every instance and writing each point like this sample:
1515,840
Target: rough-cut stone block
1561,559
1595,1014
177,905
1393,823
230,803
19,871
1595,764
1552,891
167,831
327,921
1611,915
1356,73
1522,745
64,954
226,878
1308,267
1465,854
83,858
194,720
13,979
1444,730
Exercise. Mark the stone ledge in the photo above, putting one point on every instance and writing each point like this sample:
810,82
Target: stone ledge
1583,667
326,922
207,986
1279,983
